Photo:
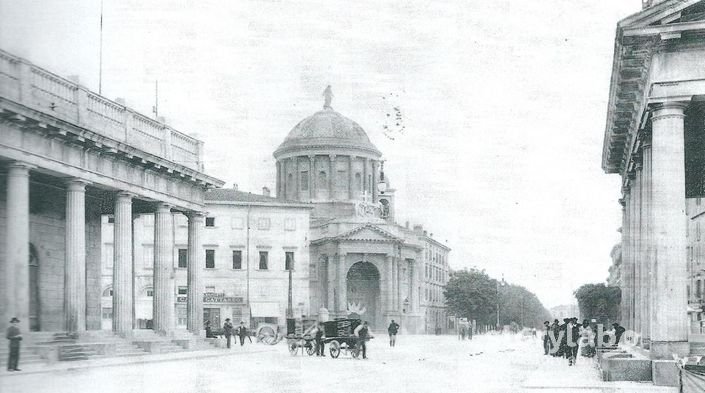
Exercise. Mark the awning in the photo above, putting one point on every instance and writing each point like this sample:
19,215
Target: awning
265,309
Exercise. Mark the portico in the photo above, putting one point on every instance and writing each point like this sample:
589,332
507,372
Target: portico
68,156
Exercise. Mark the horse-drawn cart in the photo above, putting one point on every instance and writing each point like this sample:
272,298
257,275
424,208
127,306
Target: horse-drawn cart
299,335
340,337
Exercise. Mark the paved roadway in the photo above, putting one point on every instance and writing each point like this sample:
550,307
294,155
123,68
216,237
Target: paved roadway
418,364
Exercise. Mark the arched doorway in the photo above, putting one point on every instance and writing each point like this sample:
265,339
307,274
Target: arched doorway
34,303
363,292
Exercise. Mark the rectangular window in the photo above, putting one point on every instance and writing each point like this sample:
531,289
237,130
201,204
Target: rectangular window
263,223
148,256
210,289
210,221
183,257
304,180
210,259
263,260
182,290
290,224
289,260
107,313
237,259
150,292
111,220
108,256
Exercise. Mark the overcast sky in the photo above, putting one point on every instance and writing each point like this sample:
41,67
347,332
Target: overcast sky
503,103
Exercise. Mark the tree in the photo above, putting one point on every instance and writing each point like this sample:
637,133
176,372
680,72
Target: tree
600,302
473,294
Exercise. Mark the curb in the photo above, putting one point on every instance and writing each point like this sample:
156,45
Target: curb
136,360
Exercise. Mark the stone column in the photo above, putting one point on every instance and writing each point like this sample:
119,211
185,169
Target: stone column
194,298
279,180
75,261
350,177
627,263
636,247
312,177
374,182
670,329
390,284
623,266
331,266
331,182
400,300
645,240
17,244
284,179
342,287
365,165
122,265
163,299
297,175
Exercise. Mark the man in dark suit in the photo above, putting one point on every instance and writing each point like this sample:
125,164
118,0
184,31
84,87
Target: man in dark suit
15,336
242,333
228,330
573,338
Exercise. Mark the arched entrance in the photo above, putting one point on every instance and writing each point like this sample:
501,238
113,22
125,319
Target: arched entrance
363,292
34,304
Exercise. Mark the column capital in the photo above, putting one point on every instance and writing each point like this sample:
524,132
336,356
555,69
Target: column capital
311,157
77,185
197,215
162,207
668,110
332,157
125,195
20,165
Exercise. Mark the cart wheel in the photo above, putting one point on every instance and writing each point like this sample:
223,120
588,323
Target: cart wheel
334,349
267,335
293,347
310,348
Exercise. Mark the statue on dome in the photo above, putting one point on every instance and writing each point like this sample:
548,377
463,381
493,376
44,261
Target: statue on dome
328,94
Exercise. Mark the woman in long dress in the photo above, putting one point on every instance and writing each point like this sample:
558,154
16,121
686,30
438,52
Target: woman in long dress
585,339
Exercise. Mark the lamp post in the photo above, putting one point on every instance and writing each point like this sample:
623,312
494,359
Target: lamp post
499,284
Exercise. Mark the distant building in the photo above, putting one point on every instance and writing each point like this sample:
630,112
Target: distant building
565,311
363,264
435,277
249,244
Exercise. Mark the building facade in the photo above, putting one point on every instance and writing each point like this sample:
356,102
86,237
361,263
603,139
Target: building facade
249,244
436,274
362,263
67,157
654,141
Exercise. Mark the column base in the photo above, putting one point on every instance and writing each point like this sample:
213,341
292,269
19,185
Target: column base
666,349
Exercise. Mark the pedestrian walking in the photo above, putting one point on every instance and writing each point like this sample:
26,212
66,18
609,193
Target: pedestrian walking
320,344
461,332
363,334
586,339
392,330
546,337
15,336
209,331
242,333
228,330
572,331
557,339
618,332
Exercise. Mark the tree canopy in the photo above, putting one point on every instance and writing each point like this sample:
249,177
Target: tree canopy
600,302
473,294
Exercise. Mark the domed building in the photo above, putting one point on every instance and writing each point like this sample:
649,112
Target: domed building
361,263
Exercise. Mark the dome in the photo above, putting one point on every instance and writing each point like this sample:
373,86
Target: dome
327,128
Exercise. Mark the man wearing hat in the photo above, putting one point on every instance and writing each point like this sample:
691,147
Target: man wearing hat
13,334
228,330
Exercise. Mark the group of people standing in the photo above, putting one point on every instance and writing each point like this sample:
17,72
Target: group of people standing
229,330
569,338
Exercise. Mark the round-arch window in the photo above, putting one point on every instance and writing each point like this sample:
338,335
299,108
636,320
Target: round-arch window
108,292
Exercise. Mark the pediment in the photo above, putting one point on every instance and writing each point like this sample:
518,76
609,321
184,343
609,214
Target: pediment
368,232
666,13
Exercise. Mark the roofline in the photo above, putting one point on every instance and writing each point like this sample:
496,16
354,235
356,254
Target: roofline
261,204
288,150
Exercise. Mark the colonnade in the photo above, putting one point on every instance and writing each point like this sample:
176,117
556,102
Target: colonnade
292,166
17,254
654,277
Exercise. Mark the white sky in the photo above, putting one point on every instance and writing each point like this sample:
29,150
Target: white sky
504,104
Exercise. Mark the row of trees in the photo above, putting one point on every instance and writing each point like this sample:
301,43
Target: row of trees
600,302
475,295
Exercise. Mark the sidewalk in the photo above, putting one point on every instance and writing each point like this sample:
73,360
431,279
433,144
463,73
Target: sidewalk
554,375
40,368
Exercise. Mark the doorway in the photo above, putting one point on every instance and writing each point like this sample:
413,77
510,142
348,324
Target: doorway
212,315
